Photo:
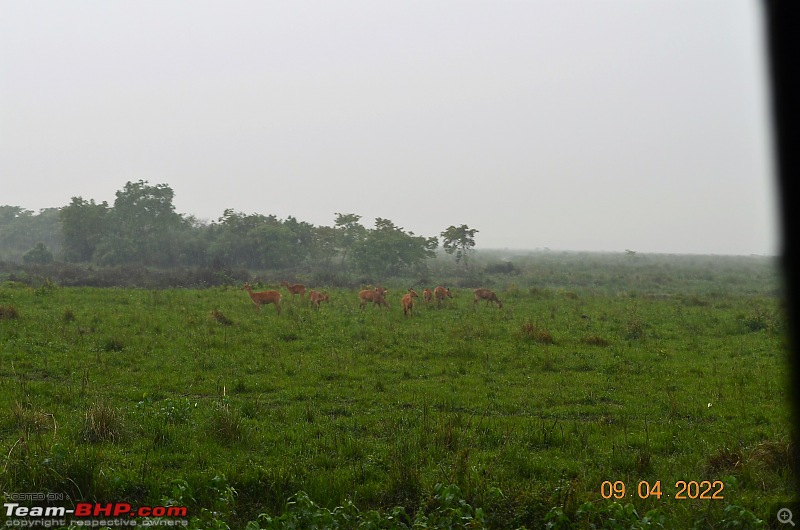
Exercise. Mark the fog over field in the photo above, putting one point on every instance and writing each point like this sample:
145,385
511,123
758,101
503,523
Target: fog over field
579,125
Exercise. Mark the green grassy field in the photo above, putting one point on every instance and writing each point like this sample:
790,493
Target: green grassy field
490,417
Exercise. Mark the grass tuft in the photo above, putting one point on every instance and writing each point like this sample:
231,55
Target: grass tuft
220,317
775,455
634,328
8,312
102,423
227,423
595,340
532,332
30,421
112,344
725,459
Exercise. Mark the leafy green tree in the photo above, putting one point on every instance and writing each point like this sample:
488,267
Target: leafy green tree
233,241
9,213
301,249
22,229
13,220
38,255
279,244
83,225
388,250
260,242
195,239
459,241
350,234
323,247
143,227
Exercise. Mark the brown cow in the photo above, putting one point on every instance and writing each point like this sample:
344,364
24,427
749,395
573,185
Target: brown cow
408,302
264,297
377,296
486,294
440,293
295,289
315,297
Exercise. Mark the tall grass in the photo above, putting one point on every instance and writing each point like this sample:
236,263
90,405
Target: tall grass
509,417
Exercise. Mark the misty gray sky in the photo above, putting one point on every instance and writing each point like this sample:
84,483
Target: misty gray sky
568,124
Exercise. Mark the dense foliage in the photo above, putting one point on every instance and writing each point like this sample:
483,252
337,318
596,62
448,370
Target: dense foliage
142,228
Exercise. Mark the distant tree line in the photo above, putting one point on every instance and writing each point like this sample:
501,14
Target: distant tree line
142,228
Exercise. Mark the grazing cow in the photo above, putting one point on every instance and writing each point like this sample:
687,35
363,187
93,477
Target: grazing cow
264,297
486,294
377,296
295,289
408,302
427,296
440,293
316,297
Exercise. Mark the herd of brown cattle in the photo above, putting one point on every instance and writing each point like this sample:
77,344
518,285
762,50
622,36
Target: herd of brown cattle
377,296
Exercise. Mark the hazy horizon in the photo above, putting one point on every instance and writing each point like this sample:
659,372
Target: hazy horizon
578,126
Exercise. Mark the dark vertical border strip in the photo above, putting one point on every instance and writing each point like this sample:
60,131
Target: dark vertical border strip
783,46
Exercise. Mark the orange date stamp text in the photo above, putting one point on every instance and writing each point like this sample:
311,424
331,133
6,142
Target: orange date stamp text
684,490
